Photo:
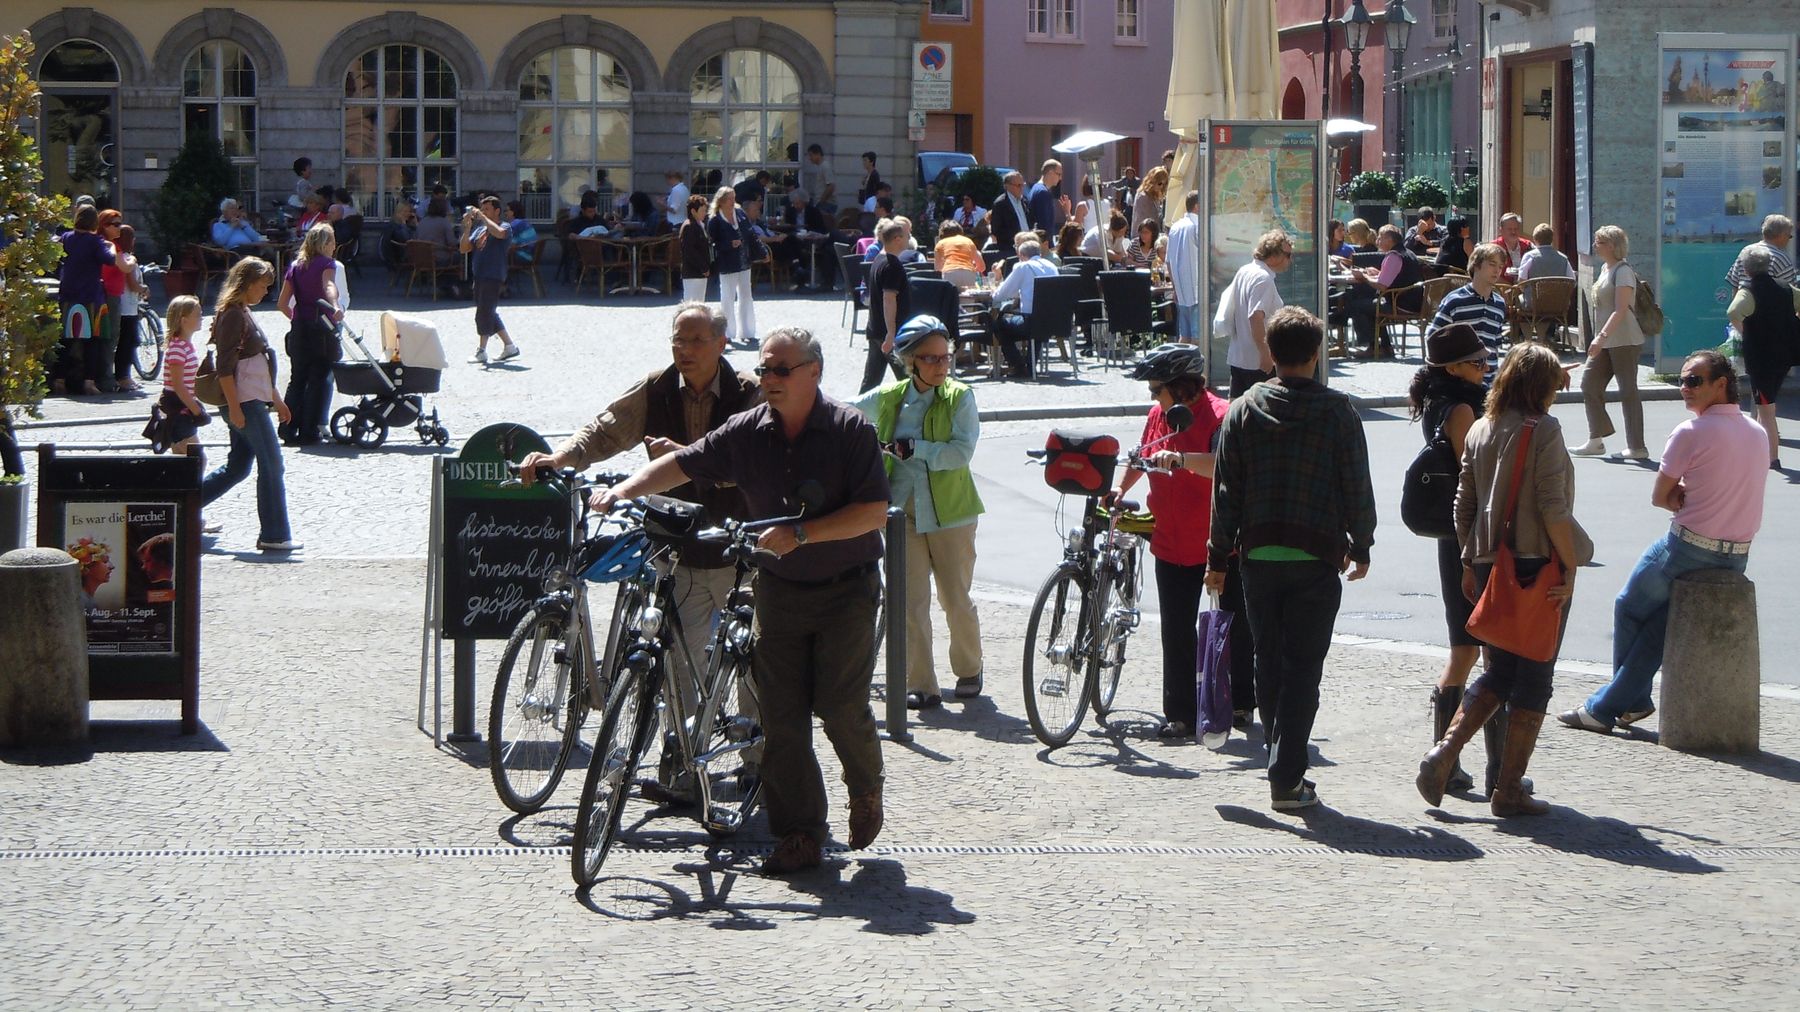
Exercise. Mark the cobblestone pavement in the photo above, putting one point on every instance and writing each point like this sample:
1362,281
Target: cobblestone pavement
312,849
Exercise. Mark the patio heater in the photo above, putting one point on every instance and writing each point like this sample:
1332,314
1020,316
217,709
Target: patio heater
1086,145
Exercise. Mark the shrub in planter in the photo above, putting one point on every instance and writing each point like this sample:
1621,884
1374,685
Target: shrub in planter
29,320
188,200
1467,195
1371,188
983,181
1423,191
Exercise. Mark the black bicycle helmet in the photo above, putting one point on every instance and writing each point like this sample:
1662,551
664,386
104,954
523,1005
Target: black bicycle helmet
1167,362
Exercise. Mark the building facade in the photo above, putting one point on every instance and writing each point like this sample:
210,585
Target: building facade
1054,67
1313,53
543,98
954,25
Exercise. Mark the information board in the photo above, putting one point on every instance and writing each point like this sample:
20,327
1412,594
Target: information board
497,543
1582,105
1725,160
1258,176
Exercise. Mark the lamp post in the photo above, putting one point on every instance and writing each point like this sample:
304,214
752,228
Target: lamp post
1325,23
1399,32
1356,23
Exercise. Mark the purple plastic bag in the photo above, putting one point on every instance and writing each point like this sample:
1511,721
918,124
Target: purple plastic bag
1213,686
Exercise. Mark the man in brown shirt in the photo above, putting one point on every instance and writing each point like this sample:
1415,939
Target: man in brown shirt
815,601
663,412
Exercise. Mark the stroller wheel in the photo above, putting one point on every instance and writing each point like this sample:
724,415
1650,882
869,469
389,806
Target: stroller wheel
442,435
343,426
370,432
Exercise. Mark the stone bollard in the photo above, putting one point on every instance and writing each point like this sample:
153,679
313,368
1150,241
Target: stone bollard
43,638
1712,668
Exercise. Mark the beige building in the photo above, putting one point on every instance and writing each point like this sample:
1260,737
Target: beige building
542,98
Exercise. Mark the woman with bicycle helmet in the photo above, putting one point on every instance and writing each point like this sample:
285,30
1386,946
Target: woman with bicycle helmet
928,425
1182,503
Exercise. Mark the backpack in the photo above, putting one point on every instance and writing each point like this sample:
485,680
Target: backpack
1643,306
1428,499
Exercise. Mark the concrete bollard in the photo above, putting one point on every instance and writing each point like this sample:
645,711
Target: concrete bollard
1712,668
43,638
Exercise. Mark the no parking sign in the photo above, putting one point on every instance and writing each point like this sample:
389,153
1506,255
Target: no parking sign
931,76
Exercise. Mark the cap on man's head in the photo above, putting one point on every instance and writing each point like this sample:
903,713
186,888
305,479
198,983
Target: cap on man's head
1455,343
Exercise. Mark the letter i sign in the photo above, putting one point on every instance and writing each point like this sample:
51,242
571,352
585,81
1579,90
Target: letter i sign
1221,135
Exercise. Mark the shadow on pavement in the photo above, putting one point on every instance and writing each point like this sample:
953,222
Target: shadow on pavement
876,893
1332,828
1777,767
106,736
977,714
1113,744
1608,839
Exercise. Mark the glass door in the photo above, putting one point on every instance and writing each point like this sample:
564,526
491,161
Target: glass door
80,143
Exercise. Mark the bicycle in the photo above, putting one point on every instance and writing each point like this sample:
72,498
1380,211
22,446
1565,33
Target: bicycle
1092,600
147,358
539,706
722,724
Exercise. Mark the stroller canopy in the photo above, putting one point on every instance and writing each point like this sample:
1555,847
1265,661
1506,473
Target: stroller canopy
414,340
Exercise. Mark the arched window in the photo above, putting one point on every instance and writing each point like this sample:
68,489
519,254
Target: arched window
218,96
745,117
399,125
574,129
80,121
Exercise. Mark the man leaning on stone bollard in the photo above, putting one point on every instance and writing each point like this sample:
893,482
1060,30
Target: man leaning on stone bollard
1714,469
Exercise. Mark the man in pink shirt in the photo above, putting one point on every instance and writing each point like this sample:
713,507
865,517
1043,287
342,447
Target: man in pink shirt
1712,478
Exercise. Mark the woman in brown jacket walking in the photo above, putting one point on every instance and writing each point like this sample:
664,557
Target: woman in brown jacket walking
1517,411
246,370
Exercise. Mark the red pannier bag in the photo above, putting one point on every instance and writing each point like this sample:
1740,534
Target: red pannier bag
1077,463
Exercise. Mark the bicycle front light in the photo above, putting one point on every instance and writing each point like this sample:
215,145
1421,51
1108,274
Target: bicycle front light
649,621
556,579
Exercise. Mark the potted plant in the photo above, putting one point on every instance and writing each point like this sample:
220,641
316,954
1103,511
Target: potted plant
1466,198
1372,197
1420,192
188,200
29,318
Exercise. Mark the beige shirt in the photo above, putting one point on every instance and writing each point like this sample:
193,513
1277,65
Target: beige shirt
1547,494
620,425
1627,333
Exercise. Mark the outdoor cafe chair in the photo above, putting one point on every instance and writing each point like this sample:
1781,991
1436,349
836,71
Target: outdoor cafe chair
1052,317
856,280
1130,309
1540,302
421,260
521,262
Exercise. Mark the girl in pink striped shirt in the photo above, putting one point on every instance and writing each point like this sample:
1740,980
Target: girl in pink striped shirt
183,411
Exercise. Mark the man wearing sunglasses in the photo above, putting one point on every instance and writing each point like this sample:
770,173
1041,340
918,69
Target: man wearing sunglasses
815,600
1712,477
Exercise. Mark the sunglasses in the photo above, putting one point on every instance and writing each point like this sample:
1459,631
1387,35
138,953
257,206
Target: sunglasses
783,371
1694,379
1155,388
931,359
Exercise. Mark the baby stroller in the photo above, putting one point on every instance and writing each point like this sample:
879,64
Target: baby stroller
392,388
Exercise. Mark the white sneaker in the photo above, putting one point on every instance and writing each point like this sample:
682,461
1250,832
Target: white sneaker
1591,448
479,358
512,351
290,545
1632,453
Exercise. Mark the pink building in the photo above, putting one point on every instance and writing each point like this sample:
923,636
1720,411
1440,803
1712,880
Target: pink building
1053,67
1306,62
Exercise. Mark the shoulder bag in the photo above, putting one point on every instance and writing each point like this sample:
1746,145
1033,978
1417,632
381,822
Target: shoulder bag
1428,499
207,389
1518,619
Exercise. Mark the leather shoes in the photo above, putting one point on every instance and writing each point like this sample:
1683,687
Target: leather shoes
923,700
865,819
795,852
968,688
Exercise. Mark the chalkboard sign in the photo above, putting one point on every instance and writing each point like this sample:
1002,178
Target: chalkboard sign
497,543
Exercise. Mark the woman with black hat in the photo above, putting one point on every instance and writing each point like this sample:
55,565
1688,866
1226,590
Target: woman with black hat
1447,396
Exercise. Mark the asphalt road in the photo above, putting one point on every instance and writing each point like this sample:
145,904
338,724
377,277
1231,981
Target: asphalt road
1019,538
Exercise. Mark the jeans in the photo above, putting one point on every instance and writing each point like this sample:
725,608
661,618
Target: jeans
487,308
255,441
1292,607
1641,619
1187,322
308,396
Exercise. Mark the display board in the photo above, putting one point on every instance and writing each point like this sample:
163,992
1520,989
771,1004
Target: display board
1256,176
1582,106
497,543
1725,154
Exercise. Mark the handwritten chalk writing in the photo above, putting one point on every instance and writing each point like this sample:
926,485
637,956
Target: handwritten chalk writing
474,526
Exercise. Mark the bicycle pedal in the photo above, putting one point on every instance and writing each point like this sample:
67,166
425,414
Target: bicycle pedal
1053,687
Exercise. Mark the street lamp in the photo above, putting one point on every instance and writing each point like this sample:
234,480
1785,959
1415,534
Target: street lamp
1399,31
1356,22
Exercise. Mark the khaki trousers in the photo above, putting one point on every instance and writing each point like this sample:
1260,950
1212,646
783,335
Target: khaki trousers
1621,363
814,657
949,557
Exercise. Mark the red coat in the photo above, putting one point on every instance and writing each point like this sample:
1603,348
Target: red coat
1182,502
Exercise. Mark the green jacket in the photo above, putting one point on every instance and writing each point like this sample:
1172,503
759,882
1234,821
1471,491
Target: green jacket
953,494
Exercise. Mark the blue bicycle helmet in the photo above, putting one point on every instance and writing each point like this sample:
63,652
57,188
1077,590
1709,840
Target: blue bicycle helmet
617,555
918,329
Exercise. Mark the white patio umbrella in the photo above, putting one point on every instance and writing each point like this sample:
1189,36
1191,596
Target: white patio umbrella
1199,85
1255,60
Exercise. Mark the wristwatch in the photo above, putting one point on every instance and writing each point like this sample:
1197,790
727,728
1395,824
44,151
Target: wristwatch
799,534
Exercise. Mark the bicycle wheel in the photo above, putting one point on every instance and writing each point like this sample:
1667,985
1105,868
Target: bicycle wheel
1056,648
537,707
624,733
147,359
734,783
1115,616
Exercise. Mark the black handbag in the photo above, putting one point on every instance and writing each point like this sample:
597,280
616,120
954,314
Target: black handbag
1428,499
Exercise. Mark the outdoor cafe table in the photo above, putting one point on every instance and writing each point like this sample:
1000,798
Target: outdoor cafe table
634,246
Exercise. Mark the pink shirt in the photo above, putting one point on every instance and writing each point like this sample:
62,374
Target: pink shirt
1721,456
179,366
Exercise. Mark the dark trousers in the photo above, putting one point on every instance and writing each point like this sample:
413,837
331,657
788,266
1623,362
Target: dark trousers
1292,608
814,657
1244,379
1013,330
1520,682
1180,591
126,350
308,397
877,365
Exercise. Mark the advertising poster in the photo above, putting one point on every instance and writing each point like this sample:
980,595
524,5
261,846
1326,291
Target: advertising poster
127,554
1724,166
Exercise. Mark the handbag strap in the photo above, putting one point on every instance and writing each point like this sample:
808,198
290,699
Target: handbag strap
1518,473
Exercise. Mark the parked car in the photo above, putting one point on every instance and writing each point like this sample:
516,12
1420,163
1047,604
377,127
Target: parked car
934,164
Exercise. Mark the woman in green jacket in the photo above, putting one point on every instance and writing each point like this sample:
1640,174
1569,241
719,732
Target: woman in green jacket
928,425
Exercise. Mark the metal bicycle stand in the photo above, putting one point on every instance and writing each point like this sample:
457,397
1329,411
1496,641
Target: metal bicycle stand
895,619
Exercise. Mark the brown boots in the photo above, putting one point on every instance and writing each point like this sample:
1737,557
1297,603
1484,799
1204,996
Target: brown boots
1439,764
1445,701
1509,797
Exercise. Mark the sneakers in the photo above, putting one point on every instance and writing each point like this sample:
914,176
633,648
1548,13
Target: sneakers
1581,719
290,545
1630,717
1300,796
795,852
865,820
210,526
1632,453
479,358
1591,448
512,351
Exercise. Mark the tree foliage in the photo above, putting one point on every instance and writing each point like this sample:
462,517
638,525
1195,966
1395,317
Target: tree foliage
983,181
188,200
29,225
